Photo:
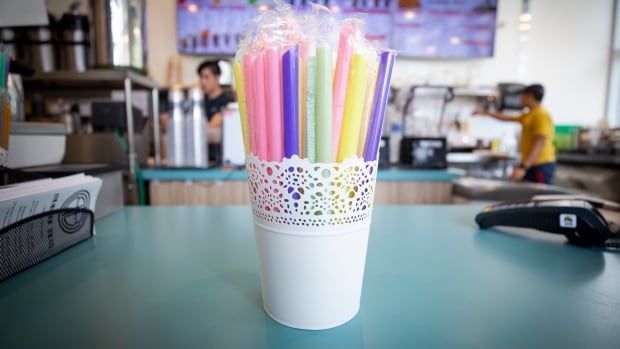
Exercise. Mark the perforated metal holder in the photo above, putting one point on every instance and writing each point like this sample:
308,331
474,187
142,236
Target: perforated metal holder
39,237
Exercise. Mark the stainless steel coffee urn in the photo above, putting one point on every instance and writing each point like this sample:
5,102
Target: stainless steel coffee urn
175,129
7,37
74,39
195,130
39,46
118,32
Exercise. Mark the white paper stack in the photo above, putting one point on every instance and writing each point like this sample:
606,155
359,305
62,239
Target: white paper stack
22,200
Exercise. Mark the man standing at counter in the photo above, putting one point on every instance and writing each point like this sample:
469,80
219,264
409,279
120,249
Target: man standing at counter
536,145
216,98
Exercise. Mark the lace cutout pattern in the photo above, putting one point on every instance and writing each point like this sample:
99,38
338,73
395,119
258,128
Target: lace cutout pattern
297,192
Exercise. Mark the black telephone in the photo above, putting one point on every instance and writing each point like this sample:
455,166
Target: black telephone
576,217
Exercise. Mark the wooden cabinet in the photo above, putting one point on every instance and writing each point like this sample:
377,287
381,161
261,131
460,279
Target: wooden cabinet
413,192
199,193
235,192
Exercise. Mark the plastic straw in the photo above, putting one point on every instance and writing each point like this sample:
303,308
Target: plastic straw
4,69
370,93
310,119
274,104
290,85
249,77
354,106
243,111
260,121
323,104
302,88
343,62
384,75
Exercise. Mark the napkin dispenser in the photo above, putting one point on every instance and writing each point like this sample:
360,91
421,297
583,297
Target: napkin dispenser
39,237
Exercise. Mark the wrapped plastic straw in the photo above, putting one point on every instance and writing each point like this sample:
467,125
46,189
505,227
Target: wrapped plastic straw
249,77
273,68
260,118
382,89
4,69
241,99
341,74
317,27
370,94
310,113
290,84
354,106
323,103
302,88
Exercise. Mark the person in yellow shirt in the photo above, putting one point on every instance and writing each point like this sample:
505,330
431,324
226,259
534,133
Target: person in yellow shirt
536,145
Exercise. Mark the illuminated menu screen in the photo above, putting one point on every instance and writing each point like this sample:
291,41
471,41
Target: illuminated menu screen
415,28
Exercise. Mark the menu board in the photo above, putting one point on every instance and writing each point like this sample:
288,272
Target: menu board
212,27
379,16
415,28
445,28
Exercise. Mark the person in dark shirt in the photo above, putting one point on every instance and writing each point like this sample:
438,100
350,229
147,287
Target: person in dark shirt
216,99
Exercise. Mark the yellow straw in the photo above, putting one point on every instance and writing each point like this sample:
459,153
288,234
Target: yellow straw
353,106
370,94
243,111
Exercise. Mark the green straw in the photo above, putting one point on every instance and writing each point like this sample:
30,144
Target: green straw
310,126
323,104
3,70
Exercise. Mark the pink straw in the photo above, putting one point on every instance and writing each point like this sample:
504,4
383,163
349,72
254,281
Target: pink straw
273,82
248,77
260,120
343,62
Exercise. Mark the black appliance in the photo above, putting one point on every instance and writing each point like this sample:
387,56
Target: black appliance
424,152
510,96
110,116
384,152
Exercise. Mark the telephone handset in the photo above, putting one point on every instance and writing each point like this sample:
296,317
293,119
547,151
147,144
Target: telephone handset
576,217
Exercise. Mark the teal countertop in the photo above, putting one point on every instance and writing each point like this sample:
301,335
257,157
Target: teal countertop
187,277
219,174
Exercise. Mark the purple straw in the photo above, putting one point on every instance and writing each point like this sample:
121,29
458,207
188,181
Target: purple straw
384,75
291,104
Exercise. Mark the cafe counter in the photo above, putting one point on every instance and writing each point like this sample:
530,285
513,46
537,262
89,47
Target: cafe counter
218,186
188,277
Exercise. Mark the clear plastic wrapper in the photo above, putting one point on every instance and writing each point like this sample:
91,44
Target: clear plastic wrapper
308,85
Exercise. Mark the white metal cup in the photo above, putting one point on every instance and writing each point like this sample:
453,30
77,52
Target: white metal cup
311,253
312,281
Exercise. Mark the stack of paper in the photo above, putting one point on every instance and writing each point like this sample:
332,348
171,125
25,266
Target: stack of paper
22,200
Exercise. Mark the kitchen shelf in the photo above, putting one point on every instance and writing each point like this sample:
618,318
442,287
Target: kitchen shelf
105,78
95,81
